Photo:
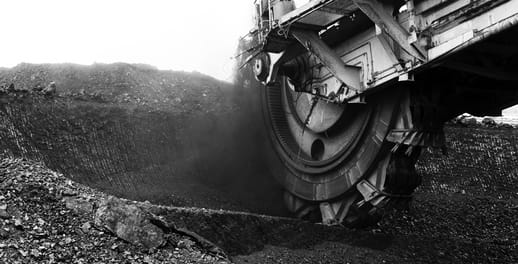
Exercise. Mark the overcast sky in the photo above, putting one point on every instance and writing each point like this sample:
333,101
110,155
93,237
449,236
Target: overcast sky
185,35
189,35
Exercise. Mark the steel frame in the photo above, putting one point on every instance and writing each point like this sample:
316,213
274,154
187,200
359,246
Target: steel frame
428,32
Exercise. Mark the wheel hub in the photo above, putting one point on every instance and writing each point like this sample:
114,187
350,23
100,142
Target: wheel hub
321,130
317,114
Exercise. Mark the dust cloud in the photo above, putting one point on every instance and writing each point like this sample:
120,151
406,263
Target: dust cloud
233,148
174,138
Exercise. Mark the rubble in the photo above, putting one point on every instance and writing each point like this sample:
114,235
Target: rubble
50,89
129,223
467,120
3,211
135,84
79,204
41,225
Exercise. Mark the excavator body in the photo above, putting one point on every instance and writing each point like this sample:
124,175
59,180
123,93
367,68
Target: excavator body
353,90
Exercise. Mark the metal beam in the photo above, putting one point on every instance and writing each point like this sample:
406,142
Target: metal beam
381,15
277,60
348,75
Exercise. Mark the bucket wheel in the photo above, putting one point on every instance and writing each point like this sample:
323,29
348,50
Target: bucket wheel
337,166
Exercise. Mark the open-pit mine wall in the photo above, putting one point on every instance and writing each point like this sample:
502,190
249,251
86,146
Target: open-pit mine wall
139,152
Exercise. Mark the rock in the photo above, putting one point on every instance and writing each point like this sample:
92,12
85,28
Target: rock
86,227
24,253
50,89
39,234
79,205
47,245
506,126
4,234
41,222
129,223
489,122
37,88
186,244
36,253
148,259
68,192
68,240
11,88
3,211
18,223
469,121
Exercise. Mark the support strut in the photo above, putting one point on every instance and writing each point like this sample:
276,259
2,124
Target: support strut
380,14
348,75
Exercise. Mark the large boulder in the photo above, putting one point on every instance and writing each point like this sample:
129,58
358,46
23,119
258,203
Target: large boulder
489,122
129,223
50,89
79,205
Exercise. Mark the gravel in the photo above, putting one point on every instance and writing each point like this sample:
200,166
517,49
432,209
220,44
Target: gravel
442,228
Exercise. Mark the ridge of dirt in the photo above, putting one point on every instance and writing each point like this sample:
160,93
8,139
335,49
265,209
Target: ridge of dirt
123,83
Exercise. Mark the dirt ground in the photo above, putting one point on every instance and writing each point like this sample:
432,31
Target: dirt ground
46,218
437,229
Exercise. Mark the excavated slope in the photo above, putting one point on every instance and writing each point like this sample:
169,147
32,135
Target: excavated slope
175,138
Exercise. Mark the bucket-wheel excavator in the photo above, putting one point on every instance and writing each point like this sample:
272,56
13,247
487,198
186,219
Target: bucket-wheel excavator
353,90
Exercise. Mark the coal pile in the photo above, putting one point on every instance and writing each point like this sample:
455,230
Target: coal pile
480,161
46,218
